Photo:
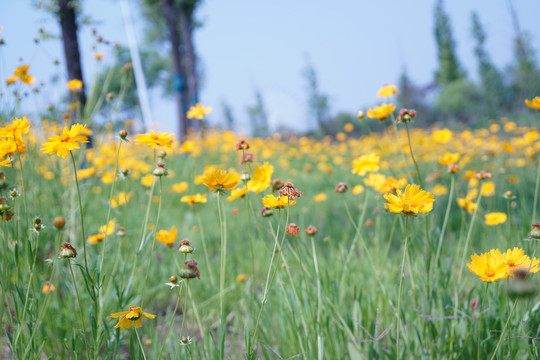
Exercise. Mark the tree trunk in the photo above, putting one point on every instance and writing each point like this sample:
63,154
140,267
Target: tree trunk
68,24
179,82
189,61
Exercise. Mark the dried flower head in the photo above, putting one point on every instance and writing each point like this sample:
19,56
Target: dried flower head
185,247
289,190
266,212
311,230
535,232
341,188
67,251
246,158
483,175
453,168
242,145
190,270
293,229
405,115
277,185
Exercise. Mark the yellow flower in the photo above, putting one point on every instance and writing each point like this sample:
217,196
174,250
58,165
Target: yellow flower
387,91
261,179
240,278
516,259
495,218
413,201
94,239
237,193
11,80
358,189
99,56
198,111
439,190
348,127
449,158
442,136
466,204
167,237
147,180
320,197
48,288
534,103
366,163
104,230
488,267
6,162
21,73
219,180
179,187
86,173
188,146
488,188
381,112
194,199
154,140
392,185
375,181
132,317
69,140
16,129
270,201
75,85
121,199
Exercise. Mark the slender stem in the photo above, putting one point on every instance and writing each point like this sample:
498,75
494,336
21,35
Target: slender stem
276,235
412,156
80,306
401,283
319,302
140,343
203,240
536,187
172,321
484,301
80,210
504,330
446,216
223,254
265,297
469,233
22,181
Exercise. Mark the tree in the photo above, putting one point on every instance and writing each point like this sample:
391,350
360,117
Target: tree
230,121
318,103
449,68
258,116
412,96
494,92
173,22
67,16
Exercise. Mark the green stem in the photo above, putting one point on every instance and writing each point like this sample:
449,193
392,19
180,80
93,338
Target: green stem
401,284
446,216
536,187
412,156
223,255
22,184
172,321
80,307
140,343
319,302
504,330
81,212
203,240
484,301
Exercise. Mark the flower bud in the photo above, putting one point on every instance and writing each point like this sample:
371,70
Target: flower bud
162,154
185,247
123,134
124,172
277,185
453,168
67,251
266,212
535,232
311,230
59,222
37,224
110,96
121,232
341,188
184,340
361,115
173,279
473,304
246,158
190,271
246,176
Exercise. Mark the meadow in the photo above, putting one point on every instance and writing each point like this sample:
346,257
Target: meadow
123,245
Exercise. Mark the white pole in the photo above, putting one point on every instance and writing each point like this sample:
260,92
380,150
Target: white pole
142,91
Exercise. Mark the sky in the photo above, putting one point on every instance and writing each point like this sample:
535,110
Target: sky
246,45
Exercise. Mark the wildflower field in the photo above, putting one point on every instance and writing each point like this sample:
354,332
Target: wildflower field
389,238
222,247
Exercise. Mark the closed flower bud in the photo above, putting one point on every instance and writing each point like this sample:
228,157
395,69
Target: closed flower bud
246,176
37,224
368,223
361,115
190,271
277,185
59,222
173,279
311,230
124,172
341,188
266,212
162,155
110,96
185,247
121,232
67,251
535,232
123,134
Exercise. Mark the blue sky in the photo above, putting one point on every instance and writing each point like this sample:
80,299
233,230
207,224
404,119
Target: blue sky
355,46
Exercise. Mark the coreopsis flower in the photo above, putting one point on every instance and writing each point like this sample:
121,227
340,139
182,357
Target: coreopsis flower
121,199
154,140
261,178
495,218
16,129
48,288
412,201
488,267
198,111
387,91
21,73
392,184
69,140
348,127
516,260
132,317
99,56
75,85
240,278
439,190
104,230
270,201
220,180
167,237
11,80
194,199
320,197
366,163
237,194
375,181
442,136
381,112
290,191
179,187
467,204
488,189
449,158
293,229
534,103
